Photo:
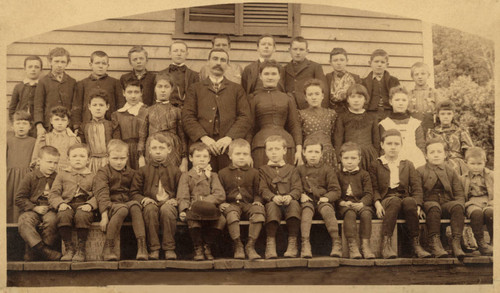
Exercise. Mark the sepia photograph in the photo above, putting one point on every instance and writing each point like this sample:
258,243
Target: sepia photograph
248,143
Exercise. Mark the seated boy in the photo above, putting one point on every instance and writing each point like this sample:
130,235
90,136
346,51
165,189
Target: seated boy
338,81
300,70
37,223
183,76
280,188
138,59
199,194
397,189
112,191
234,70
378,83
320,189
241,184
443,197
71,195
356,200
478,188
154,186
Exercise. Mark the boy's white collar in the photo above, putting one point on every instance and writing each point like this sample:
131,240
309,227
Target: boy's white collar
385,161
357,112
30,81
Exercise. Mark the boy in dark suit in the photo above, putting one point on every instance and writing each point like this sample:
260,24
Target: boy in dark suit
396,189
299,70
378,83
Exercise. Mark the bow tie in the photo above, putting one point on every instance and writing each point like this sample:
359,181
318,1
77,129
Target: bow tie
173,67
339,74
162,102
279,179
207,170
244,168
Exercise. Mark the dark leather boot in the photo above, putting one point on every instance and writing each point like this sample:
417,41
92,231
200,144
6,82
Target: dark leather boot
456,247
198,253
29,253
208,252
49,254
305,251
250,250
108,252
291,250
353,249
80,251
142,251
366,249
271,248
484,248
69,251
239,252
418,249
387,251
336,248
436,247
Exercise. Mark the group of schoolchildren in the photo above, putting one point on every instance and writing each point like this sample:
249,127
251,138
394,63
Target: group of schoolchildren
364,148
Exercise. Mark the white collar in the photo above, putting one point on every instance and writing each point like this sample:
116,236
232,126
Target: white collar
360,112
385,161
134,110
262,59
353,170
281,163
30,81
216,81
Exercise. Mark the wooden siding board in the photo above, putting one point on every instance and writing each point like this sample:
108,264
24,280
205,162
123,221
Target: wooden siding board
337,10
123,26
101,38
339,21
163,15
339,34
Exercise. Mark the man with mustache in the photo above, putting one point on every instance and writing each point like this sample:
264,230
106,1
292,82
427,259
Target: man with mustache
216,110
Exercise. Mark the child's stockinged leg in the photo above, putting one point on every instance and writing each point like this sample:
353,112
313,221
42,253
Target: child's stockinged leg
152,225
83,220
332,226
392,209
114,226
271,229
350,233
293,225
433,220
253,235
197,239
233,226
139,232
488,219
476,223
305,228
365,232
209,236
168,219
411,217
457,227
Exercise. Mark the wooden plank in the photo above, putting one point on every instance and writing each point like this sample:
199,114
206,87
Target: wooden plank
337,10
357,262
260,264
155,15
394,262
478,260
228,264
433,261
323,262
337,34
141,264
125,26
15,265
319,19
368,48
291,262
94,265
190,265
47,266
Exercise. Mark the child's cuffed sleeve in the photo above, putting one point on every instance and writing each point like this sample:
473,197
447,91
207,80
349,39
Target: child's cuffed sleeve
55,198
183,193
367,198
101,190
264,190
333,193
137,186
217,193
23,194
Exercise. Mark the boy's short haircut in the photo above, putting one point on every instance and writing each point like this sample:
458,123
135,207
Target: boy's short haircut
266,36
98,93
98,54
312,141
198,147
60,111
397,89
350,146
117,145
338,51
445,105
79,146
276,138
299,39
360,90
137,49
178,42
269,63
238,143
475,153
58,51
379,52
221,36
21,115
48,150
218,50
435,140
165,76
133,82
391,132
314,82
161,138
33,57
419,65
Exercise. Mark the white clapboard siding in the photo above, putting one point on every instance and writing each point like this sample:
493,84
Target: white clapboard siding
325,27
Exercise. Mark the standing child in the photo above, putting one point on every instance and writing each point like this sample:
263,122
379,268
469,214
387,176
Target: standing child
339,81
128,120
98,79
112,191
23,95
61,137
154,187
97,132
71,195
410,128
199,194
478,188
318,122
55,89
378,83
320,189
359,126
250,78
165,118
37,223
182,76
19,150
456,137
280,188
397,190
138,59
356,200
423,98
443,197
241,184
299,70
234,70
